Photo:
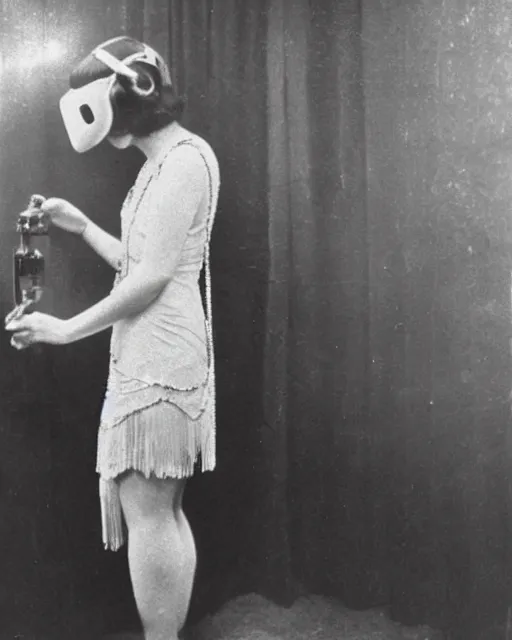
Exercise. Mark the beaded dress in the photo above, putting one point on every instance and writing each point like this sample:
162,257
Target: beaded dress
158,415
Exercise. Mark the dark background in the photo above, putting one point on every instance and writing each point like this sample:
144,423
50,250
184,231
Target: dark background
362,297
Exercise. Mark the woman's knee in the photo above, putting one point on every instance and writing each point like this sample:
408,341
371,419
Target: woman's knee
155,498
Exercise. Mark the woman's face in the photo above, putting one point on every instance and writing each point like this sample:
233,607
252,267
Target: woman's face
121,142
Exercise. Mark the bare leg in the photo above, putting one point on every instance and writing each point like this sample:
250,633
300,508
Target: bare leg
161,552
189,560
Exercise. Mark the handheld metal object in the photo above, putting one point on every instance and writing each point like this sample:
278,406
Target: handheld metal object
29,264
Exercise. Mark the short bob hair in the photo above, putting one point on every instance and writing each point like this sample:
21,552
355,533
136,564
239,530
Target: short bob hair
139,116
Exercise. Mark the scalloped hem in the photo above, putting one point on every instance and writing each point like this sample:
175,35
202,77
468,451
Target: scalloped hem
160,440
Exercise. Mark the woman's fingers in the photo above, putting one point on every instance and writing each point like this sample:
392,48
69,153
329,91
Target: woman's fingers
18,312
15,343
15,313
19,324
21,340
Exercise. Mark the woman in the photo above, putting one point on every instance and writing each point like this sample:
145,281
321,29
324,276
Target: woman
158,416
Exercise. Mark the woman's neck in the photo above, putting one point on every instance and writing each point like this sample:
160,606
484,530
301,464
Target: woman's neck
153,145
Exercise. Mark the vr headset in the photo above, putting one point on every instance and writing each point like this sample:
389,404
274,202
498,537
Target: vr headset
87,112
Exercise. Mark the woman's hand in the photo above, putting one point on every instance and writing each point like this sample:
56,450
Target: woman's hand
65,215
36,327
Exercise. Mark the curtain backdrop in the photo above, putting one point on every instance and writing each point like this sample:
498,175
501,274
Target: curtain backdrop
361,262
379,468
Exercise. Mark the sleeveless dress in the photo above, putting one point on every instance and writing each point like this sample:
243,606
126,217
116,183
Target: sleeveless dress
158,415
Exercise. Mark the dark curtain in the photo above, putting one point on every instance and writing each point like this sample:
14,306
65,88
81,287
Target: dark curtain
437,84
381,458
316,350
362,303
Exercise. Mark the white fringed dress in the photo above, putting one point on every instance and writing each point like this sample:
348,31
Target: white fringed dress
158,416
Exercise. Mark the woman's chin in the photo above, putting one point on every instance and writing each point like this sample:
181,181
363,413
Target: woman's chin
120,142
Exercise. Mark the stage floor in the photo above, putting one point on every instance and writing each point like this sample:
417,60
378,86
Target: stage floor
313,618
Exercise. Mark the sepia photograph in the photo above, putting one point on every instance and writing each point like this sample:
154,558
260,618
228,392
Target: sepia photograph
256,282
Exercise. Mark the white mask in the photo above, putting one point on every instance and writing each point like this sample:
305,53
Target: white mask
87,112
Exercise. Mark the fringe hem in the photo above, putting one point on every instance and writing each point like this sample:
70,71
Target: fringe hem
161,441
111,516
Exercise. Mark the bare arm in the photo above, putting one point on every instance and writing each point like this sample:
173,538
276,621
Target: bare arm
105,245
66,216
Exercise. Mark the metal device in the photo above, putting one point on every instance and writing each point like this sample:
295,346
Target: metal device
29,263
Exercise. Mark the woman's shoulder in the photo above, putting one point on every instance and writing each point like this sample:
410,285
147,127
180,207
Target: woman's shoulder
193,154
194,144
